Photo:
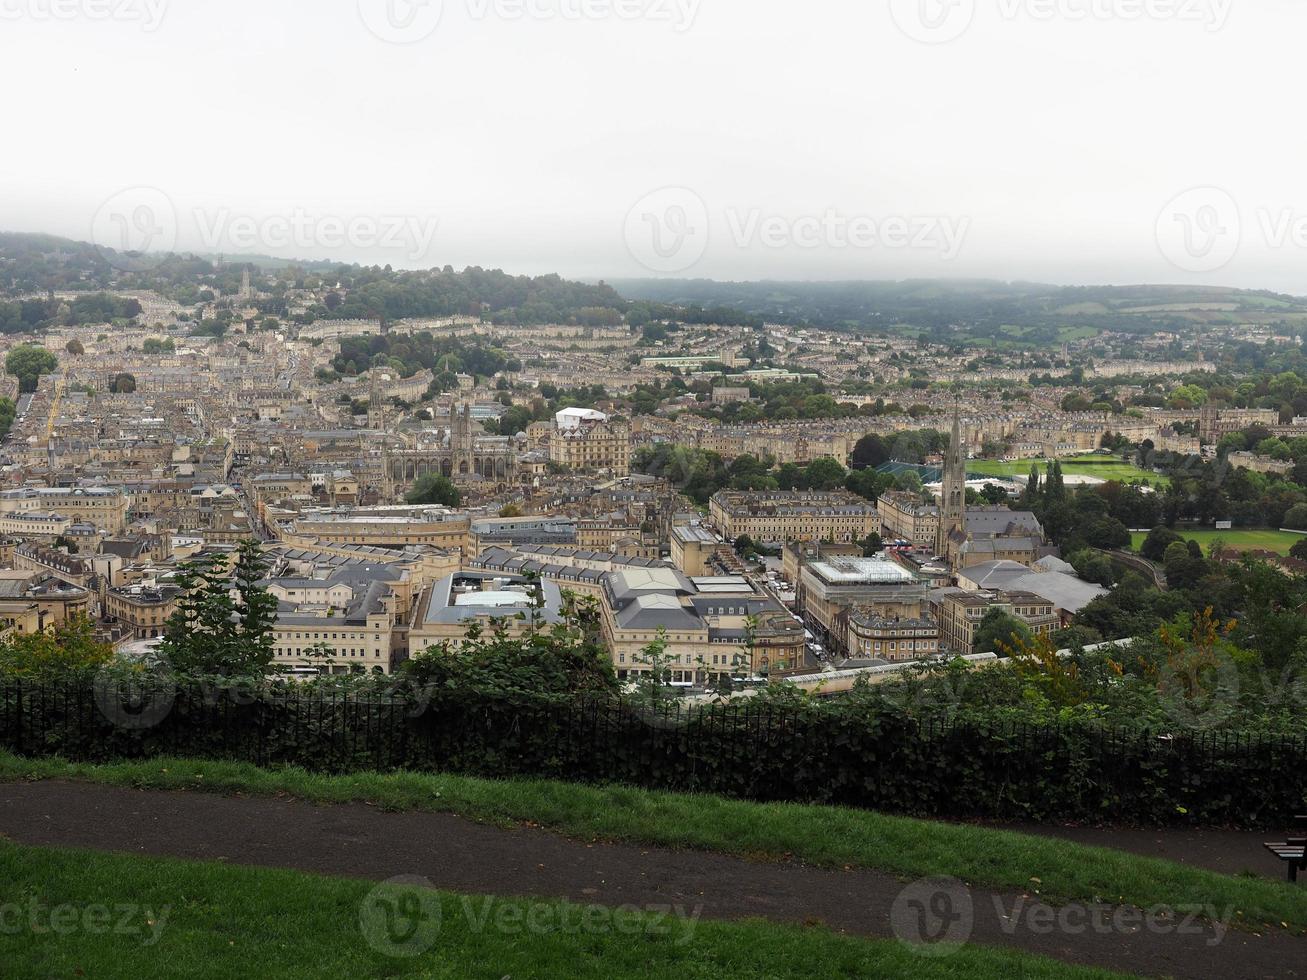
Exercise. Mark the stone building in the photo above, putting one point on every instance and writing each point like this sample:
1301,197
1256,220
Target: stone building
778,515
960,614
586,441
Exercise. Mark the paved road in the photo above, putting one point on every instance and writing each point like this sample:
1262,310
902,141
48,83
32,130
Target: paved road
360,841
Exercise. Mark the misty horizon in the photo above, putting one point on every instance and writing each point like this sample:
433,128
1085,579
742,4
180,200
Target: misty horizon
1076,142
236,258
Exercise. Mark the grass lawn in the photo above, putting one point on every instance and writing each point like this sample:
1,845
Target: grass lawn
129,916
818,835
1102,467
1242,539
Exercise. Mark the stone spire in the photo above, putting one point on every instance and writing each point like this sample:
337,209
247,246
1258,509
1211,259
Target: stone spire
953,493
376,409
464,441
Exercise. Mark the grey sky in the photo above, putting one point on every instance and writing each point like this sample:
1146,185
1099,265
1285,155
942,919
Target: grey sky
822,139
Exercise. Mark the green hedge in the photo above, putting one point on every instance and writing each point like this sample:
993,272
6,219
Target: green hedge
811,751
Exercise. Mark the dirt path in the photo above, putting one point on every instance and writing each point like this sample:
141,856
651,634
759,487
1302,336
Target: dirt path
360,841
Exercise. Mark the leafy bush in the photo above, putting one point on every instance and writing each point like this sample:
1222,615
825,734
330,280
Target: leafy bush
863,751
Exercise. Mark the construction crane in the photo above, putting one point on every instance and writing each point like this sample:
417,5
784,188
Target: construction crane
54,408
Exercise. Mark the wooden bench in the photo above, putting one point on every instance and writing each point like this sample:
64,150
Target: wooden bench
1292,851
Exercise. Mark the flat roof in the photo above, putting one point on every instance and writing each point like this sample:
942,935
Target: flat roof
851,571
495,599
690,532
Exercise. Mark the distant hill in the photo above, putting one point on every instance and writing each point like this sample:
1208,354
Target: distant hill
999,314
1010,312
39,264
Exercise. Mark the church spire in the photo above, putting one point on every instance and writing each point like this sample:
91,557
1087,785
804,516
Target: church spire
953,492
376,408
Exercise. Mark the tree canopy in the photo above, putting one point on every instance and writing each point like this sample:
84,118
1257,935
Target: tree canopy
432,488
28,362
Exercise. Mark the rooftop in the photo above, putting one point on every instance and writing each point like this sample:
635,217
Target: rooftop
854,571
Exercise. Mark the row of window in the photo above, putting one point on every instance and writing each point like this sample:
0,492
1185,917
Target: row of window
351,652
906,645
324,636
718,659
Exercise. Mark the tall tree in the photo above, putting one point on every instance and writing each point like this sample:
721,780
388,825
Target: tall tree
28,362
224,620
434,489
869,453
999,631
1055,489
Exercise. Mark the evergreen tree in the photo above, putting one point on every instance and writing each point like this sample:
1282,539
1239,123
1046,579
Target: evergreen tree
1030,495
256,610
224,618
1055,489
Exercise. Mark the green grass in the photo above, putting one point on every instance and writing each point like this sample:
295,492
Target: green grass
169,918
1243,540
1102,467
818,835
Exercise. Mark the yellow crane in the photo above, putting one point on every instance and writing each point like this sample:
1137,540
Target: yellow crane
54,408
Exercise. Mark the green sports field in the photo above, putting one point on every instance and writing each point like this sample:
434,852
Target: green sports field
1102,467
1243,539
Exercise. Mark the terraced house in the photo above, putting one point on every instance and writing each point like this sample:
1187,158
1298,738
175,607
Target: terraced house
142,610
793,515
835,590
105,507
341,624
713,627
961,613
587,441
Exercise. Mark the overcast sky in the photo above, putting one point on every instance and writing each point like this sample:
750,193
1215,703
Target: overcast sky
1077,141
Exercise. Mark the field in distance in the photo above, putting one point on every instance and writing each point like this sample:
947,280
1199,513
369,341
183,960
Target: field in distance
1101,467
1241,539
